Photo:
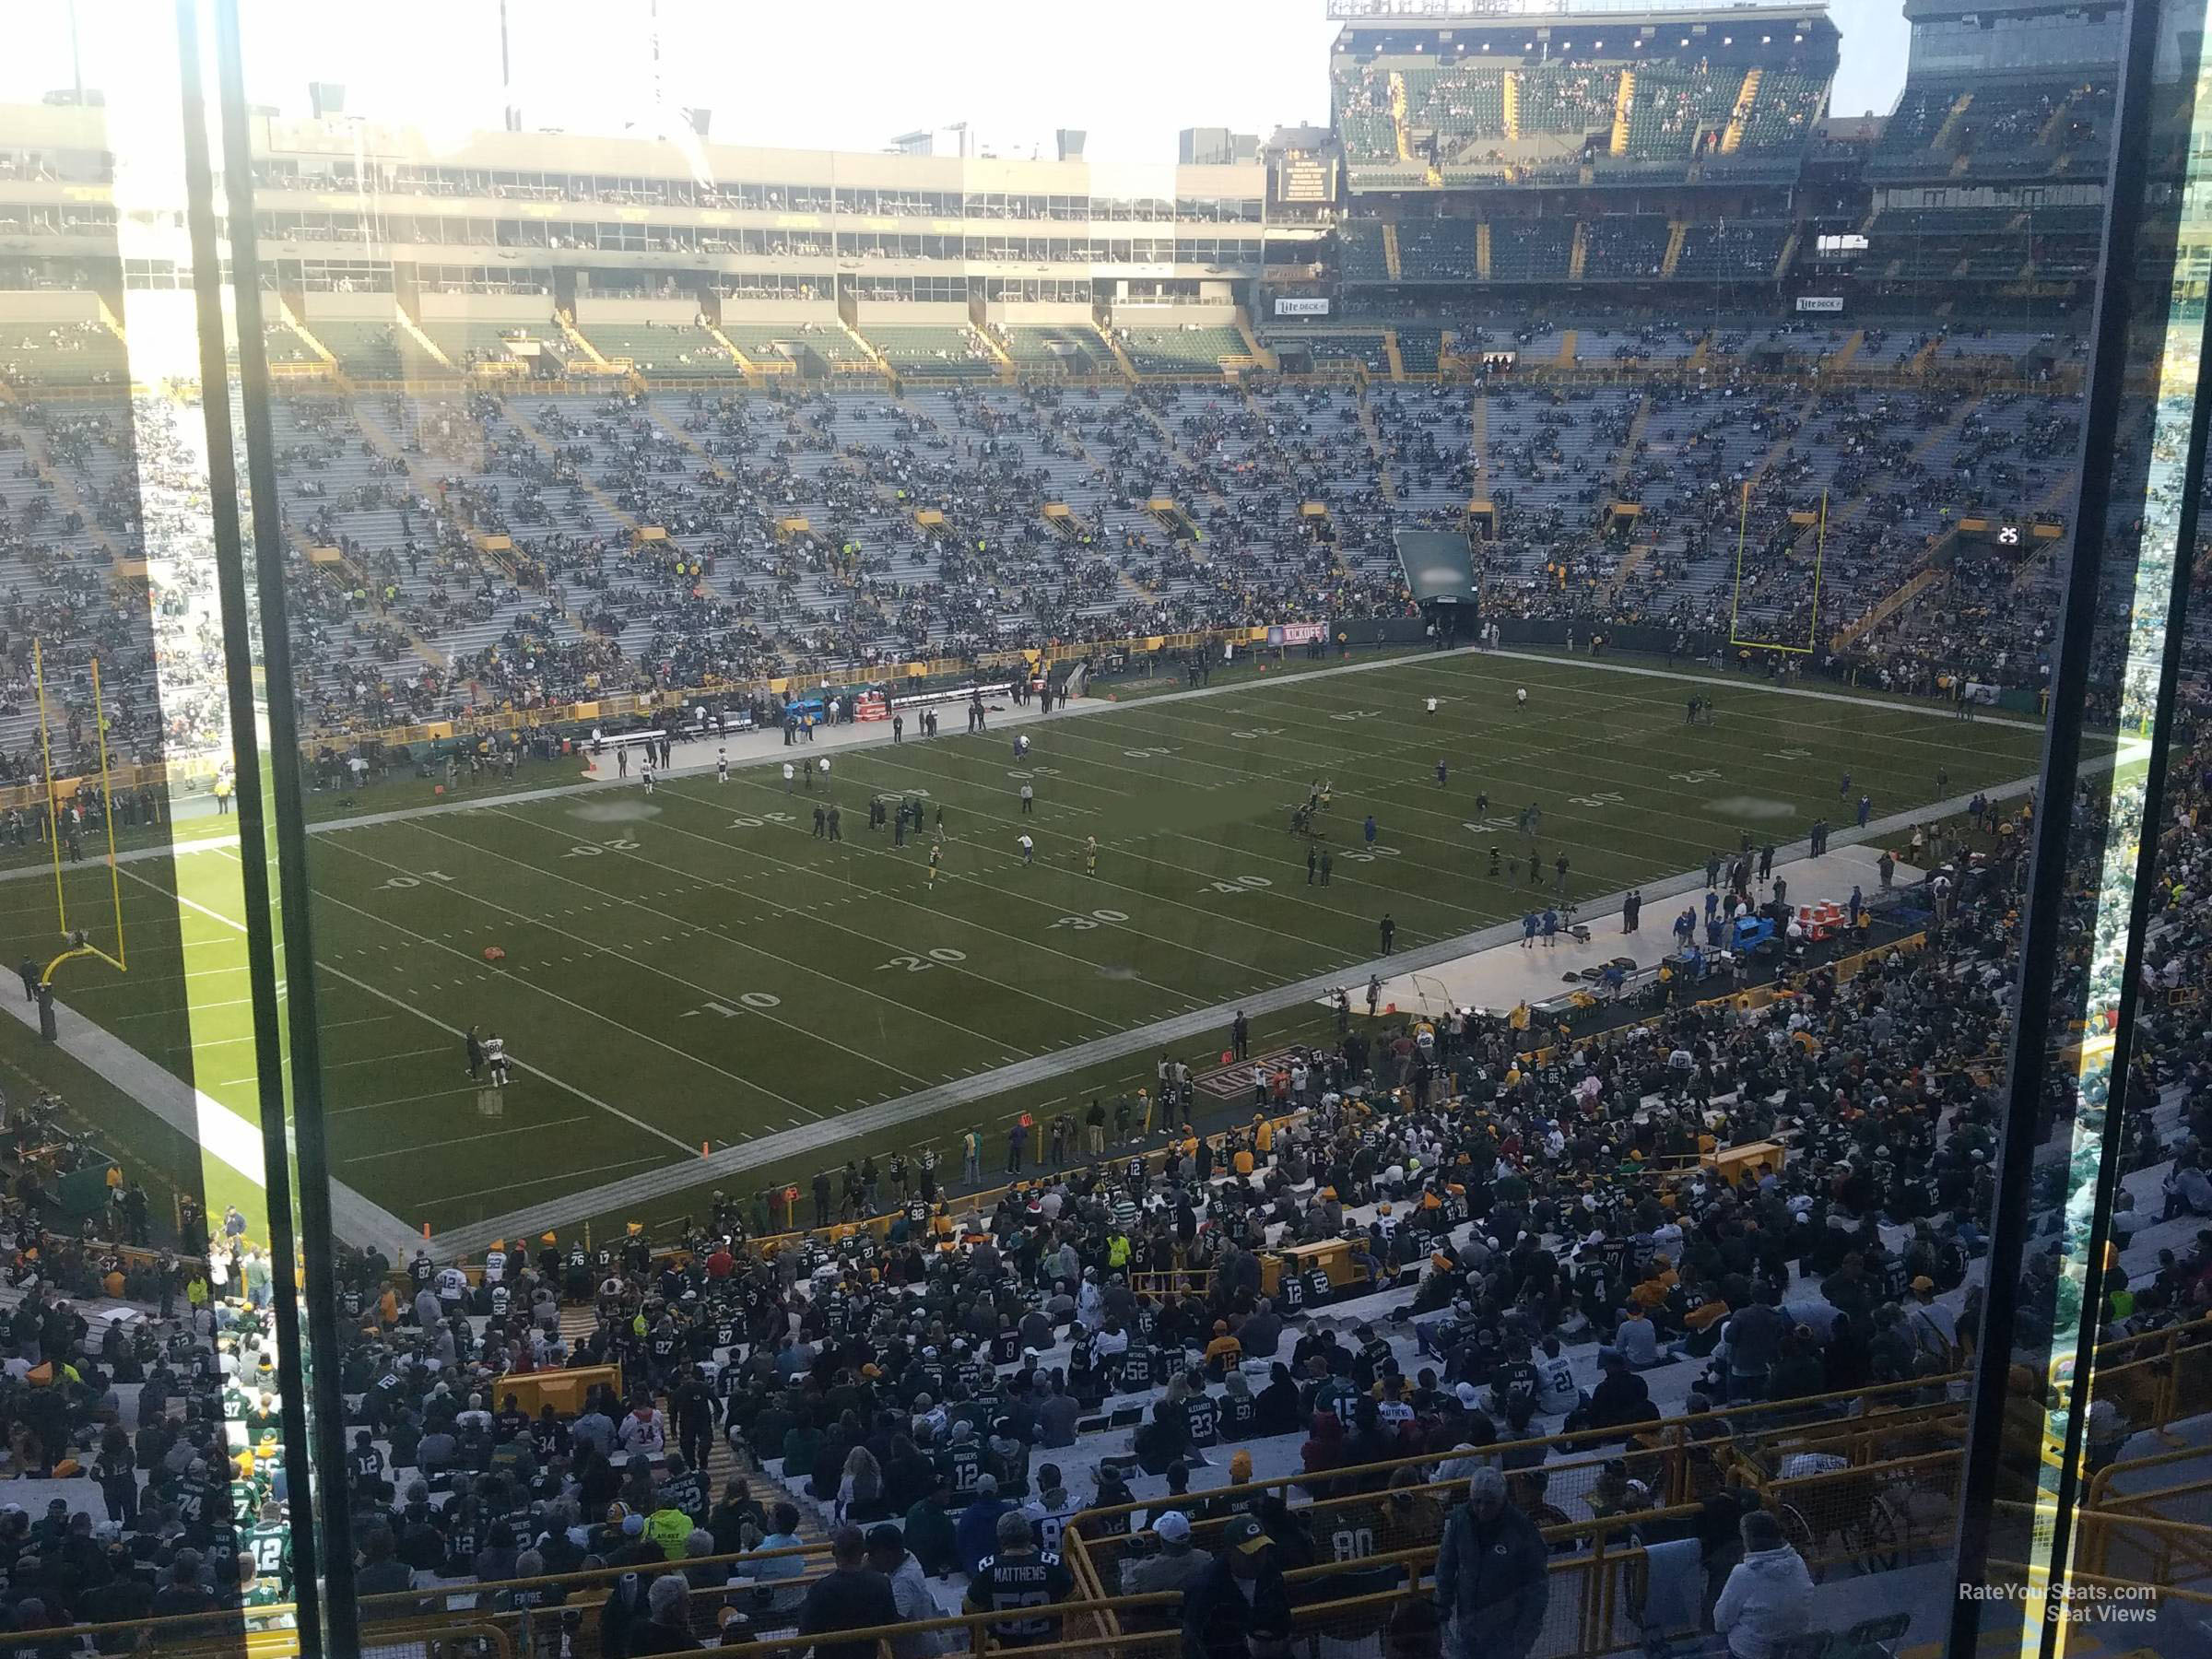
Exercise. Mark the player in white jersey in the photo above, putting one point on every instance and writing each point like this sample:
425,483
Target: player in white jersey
1029,851
722,766
495,1059
645,772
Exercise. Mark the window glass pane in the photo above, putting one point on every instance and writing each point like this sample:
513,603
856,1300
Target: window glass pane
852,810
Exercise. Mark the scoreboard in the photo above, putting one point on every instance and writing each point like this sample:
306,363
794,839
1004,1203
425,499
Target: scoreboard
2011,533
1306,180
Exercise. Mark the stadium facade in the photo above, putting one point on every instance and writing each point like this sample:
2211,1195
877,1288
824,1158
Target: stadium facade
1659,158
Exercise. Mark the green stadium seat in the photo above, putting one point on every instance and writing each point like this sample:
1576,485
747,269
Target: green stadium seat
1359,251
1180,350
1668,110
1444,251
1079,350
1538,250
671,351
374,351
65,354
1567,100
777,341
1331,347
1623,245
1730,252
934,351
1418,349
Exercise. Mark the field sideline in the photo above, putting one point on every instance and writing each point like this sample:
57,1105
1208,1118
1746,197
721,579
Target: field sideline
698,968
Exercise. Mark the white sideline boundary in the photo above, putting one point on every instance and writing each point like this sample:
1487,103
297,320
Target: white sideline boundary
731,1161
236,1142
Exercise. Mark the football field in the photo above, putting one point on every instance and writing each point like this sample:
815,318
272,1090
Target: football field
698,968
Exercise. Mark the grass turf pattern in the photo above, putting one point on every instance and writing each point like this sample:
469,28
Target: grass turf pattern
696,966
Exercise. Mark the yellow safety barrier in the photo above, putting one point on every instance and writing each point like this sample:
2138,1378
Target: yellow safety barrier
2145,1549
2100,1492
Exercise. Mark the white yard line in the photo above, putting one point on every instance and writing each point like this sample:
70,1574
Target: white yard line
1044,1068
215,1129
435,1094
381,1059
709,993
517,1186
672,1177
463,1140
428,1019
520,1066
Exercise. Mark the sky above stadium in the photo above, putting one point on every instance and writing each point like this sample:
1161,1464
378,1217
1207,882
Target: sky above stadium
848,76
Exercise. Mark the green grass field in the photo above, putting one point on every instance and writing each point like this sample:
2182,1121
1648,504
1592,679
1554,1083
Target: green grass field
696,967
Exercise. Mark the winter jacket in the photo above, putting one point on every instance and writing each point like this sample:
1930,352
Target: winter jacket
1767,1600
1218,1617
1494,1578
930,1536
976,1532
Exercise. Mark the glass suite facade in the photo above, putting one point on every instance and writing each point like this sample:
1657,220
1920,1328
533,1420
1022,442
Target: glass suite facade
550,1066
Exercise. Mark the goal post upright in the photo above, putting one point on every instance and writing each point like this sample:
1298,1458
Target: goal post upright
54,811
107,810
75,943
1812,640
1736,603
1735,599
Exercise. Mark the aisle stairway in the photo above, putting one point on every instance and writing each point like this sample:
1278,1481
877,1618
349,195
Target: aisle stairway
1733,138
1887,606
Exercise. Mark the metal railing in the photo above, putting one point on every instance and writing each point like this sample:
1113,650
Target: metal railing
1864,1483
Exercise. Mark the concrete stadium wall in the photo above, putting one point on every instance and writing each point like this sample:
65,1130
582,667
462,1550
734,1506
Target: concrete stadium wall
892,314
636,312
483,308
350,308
779,311
50,305
1138,313
1037,314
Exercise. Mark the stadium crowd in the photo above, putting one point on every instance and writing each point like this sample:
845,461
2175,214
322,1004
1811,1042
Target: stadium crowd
483,553
1528,1242
1524,1246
